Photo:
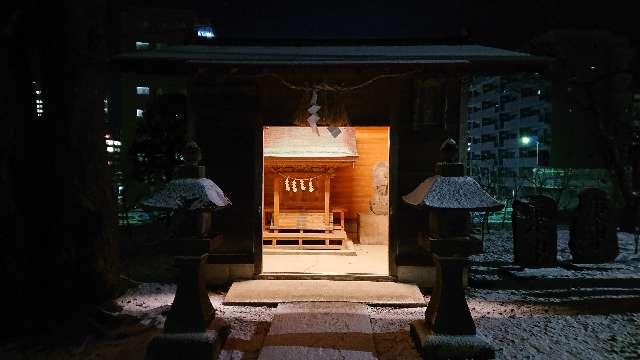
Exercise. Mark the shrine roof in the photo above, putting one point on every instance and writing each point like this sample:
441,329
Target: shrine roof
334,55
303,142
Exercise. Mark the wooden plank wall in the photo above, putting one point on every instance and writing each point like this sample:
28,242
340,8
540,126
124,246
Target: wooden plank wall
351,188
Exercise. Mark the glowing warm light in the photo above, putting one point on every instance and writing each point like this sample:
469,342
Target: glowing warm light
107,136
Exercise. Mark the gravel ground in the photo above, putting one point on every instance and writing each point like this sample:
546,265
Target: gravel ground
525,325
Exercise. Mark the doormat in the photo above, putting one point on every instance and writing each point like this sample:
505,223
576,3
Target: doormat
272,292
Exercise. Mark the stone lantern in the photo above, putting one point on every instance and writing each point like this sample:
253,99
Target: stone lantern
190,331
448,330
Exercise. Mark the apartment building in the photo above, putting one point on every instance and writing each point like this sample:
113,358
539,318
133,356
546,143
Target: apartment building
509,130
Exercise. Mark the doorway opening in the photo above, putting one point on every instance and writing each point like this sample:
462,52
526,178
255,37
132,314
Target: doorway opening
325,200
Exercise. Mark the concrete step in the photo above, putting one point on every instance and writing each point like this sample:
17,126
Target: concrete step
272,292
314,331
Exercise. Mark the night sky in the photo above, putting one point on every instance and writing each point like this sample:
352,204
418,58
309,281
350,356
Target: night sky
507,24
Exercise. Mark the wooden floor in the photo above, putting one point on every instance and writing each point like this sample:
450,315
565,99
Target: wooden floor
369,259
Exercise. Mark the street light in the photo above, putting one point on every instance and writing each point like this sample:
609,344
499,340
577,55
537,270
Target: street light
526,140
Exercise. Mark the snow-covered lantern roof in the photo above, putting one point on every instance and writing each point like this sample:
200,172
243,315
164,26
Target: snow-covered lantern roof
194,198
452,192
190,190
449,197
451,189
189,194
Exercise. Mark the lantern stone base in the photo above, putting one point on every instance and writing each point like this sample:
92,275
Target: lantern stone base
197,345
439,346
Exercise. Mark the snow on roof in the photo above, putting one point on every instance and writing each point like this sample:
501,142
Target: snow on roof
303,142
452,192
364,54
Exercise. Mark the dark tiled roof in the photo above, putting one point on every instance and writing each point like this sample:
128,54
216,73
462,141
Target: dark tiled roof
372,54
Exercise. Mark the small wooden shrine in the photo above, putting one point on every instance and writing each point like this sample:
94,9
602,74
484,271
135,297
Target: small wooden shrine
302,162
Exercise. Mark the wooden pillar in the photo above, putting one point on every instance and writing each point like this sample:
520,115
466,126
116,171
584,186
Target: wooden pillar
276,200
327,195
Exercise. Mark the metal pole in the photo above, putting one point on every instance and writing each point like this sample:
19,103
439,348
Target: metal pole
537,158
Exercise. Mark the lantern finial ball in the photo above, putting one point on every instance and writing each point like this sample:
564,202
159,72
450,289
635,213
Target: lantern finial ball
448,150
191,153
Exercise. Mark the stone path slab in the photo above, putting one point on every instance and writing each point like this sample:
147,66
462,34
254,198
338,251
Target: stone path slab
327,330
271,292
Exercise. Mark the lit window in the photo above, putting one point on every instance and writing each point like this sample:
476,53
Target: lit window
38,92
109,142
142,45
205,32
110,149
117,143
142,90
139,113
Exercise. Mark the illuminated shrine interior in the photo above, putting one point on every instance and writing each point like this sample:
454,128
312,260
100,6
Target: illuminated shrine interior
325,200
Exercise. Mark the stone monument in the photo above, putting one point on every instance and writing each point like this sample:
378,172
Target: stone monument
535,231
593,237
379,203
373,227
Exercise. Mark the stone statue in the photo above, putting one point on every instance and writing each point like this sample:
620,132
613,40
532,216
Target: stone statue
379,203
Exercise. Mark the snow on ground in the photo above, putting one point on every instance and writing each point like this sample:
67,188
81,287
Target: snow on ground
551,296
498,251
249,324
554,336
525,325
498,247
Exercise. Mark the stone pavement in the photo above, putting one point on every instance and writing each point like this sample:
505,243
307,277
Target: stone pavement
313,330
